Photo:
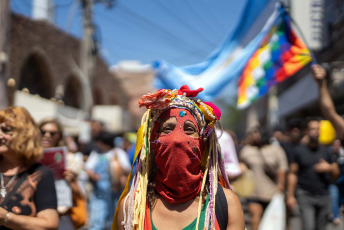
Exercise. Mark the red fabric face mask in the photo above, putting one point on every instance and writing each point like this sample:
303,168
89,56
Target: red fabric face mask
177,156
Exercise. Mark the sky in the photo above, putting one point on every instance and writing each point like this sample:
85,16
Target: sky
181,32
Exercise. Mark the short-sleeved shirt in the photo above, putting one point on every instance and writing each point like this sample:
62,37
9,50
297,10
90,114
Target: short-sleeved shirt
255,158
36,193
289,149
307,179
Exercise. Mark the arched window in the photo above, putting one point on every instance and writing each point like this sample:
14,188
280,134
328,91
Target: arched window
36,76
97,96
72,92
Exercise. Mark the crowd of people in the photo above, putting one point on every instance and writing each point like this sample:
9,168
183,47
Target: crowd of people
294,163
42,193
187,172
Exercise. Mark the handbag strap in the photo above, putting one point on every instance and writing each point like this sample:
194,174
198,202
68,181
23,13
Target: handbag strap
23,177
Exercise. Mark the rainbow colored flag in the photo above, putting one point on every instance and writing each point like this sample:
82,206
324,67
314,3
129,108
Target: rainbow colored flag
280,55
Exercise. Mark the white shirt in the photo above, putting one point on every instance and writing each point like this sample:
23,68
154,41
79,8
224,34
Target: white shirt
229,153
121,155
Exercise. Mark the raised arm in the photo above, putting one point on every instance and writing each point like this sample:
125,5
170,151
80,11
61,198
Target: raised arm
325,101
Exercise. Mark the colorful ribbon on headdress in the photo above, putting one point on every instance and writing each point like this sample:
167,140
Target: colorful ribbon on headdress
207,114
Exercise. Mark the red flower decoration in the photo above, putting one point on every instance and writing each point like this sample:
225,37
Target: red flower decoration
189,93
158,100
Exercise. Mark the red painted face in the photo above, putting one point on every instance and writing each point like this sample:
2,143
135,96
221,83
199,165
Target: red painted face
177,146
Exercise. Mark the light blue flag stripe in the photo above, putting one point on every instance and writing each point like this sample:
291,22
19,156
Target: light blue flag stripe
225,65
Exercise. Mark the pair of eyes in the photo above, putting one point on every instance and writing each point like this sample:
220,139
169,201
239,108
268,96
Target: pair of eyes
168,126
51,133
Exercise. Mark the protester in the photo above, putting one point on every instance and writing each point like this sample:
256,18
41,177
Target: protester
326,104
98,168
278,136
96,127
76,161
269,165
28,196
294,135
119,170
338,152
179,166
329,112
229,153
234,138
338,149
129,141
309,178
292,141
52,136
105,166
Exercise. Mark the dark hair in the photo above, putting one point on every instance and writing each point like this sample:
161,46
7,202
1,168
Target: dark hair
264,136
308,120
294,123
106,138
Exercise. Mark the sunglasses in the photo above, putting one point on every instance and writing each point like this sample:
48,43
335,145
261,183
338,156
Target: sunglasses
51,133
6,129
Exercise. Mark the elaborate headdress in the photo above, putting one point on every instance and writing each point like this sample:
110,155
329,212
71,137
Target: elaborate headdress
206,114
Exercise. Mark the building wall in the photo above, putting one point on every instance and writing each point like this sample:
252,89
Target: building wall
49,58
4,25
137,80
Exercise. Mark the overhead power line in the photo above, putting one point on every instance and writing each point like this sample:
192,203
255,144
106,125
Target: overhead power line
158,27
66,4
187,25
201,17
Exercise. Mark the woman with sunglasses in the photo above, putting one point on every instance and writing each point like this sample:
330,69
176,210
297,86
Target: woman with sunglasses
52,136
51,131
27,190
180,181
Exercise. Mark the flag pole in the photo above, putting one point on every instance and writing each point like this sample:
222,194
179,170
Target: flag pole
297,27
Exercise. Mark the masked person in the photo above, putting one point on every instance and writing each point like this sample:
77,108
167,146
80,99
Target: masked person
180,181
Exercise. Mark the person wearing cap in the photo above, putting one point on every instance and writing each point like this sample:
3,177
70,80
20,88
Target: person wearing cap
180,181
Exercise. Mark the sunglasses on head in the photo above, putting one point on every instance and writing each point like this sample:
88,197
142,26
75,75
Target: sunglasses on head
51,133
